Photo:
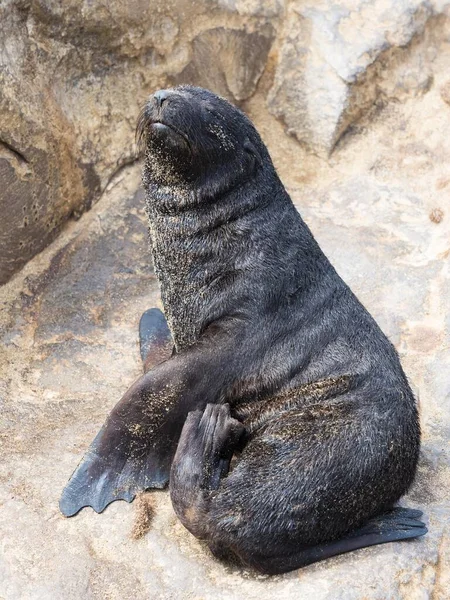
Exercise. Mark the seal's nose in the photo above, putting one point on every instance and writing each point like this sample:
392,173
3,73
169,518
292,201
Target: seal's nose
160,96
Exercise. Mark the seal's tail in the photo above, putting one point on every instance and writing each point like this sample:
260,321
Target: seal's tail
397,524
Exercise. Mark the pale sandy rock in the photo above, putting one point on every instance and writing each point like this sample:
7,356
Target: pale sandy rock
337,58
266,8
69,340
445,92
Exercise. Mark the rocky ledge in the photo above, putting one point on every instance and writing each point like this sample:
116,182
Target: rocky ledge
379,206
74,75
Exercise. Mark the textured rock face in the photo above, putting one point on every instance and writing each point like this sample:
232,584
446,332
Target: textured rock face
39,186
228,61
338,58
379,207
73,75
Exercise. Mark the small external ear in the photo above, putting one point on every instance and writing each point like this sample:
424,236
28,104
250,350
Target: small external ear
252,155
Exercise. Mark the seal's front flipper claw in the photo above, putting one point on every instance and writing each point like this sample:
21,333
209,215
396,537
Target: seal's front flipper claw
155,339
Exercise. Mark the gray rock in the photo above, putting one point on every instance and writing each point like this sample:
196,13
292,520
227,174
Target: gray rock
70,349
229,61
41,184
337,59
74,76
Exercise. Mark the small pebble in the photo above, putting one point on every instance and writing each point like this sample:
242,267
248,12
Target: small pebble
436,215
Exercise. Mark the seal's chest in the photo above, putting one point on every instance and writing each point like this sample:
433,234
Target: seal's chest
183,305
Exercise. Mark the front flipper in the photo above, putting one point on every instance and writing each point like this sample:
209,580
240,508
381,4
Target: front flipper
155,339
134,449
131,452
100,480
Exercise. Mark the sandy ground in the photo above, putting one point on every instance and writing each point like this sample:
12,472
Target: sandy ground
380,210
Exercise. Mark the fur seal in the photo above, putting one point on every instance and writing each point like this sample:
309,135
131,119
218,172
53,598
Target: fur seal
282,417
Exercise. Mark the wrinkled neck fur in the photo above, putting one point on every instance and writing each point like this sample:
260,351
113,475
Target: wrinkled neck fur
187,209
197,240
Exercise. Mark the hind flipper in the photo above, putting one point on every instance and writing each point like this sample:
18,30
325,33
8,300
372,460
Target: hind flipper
202,459
395,525
133,450
155,339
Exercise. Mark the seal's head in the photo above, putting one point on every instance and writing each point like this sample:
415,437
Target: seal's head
191,135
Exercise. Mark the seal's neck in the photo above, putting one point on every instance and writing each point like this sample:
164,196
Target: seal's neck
195,240
184,212
169,194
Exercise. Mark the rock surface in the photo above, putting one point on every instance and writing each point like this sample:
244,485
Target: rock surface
74,74
338,58
379,207
73,77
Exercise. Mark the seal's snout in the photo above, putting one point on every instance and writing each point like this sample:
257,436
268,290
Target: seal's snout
159,127
160,96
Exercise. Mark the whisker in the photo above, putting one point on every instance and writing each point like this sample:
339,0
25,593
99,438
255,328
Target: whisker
141,130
